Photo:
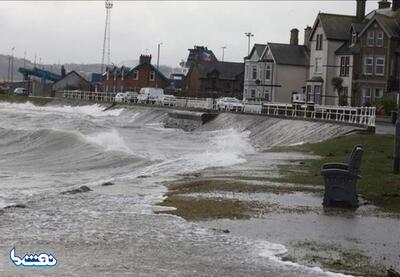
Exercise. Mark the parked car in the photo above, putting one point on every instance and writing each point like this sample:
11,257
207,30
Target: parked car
132,96
168,100
21,91
150,95
120,97
229,104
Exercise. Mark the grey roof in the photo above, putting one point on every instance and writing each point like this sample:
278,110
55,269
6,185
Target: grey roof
389,25
226,70
348,49
259,48
358,26
289,54
336,26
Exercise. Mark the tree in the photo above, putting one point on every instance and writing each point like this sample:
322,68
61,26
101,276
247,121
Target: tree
337,84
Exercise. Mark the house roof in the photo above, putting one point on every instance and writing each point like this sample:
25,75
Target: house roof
336,26
289,54
73,72
389,25
348,49
226,70
358,26
258,48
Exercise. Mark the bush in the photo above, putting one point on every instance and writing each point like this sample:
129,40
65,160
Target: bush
386,104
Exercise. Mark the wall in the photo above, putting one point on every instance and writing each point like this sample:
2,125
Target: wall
291,78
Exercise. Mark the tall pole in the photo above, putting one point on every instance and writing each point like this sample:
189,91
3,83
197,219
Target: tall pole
106,40
223,52
249,35
158,61
12,64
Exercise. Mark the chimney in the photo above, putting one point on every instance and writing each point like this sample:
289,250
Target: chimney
307,33
360,9
294,37
145,59
395,5
63,71
383,4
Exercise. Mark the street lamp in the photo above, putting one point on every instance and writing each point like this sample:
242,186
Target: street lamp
12,64
223,52
158,61
249,35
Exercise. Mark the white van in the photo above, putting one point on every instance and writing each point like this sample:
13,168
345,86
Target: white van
150,95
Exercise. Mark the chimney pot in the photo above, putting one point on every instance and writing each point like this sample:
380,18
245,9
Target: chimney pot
294,37
383,4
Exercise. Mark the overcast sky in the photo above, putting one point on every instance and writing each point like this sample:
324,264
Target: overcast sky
73,31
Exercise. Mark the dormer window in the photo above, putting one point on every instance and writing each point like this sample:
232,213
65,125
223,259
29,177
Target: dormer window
353,38
135,75
152,75
318,45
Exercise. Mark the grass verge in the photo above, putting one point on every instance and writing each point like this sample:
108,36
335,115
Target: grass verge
378,184
38,101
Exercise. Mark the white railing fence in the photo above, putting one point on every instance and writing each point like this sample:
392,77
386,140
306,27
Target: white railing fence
364,116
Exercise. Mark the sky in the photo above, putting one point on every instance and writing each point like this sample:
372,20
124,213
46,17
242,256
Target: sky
73,31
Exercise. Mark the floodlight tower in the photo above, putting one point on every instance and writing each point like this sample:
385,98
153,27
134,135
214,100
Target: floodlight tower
107,29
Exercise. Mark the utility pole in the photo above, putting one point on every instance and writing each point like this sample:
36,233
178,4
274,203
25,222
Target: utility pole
107,31
396,156
223,52
249,35
158,61
12,64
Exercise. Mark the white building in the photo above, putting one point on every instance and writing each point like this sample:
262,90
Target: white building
274,71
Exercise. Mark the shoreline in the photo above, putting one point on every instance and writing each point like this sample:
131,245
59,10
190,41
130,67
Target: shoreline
290,214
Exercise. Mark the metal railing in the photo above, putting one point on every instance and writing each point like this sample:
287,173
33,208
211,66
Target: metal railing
363,116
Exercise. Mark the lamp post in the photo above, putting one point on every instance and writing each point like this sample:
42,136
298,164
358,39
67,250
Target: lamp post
249,35
223,52
158,61
12,64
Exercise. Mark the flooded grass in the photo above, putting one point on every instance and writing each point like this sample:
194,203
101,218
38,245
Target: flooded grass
378,184
38,101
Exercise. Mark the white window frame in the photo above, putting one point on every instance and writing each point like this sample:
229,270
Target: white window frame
371,39
366,65
367,92
353,38
268,72
152,76
345,66
318,65
379,39
380,66
252,93
135,75
380,92
318,94
254,72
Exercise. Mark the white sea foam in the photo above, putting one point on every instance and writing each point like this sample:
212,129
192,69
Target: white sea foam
90,110
110,141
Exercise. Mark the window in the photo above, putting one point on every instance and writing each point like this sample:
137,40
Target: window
368,65
317,94
371,39
366,96
344,66
268,73
245,93
379,66
152,75
135,75
310,96
378,92
353,38
266,96
318,45
253,93
379,39
318,67
254,73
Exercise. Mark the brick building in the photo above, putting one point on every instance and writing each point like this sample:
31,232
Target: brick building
120,79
